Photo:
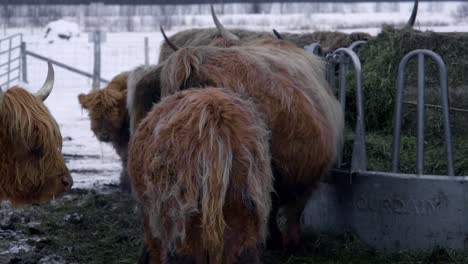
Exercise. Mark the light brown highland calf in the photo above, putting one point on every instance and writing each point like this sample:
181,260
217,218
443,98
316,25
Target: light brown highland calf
109,119
32,168
200,166
289,89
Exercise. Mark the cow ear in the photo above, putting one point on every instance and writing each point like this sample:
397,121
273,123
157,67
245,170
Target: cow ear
84,100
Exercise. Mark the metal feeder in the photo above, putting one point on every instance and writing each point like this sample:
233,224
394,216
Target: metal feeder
390,211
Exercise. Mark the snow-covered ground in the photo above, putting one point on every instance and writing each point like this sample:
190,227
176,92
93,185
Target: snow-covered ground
93,163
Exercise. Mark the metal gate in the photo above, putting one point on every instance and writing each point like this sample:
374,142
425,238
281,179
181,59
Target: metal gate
10,60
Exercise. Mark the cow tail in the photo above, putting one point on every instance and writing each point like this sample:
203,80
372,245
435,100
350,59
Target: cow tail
216,163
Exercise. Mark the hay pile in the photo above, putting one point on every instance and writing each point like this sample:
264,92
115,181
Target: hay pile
380,58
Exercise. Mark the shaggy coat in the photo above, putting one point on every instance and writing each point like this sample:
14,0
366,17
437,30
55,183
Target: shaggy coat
288,87
32,168
200,166
329,41
109,119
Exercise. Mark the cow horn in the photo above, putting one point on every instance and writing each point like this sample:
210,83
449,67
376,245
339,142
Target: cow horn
277,34
223,31
413,14
172,45
44,92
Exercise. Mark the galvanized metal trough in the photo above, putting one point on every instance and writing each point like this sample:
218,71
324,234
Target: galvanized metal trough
391,211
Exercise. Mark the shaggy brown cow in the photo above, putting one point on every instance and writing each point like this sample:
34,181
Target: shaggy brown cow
109,119
200,166
32,168
288,87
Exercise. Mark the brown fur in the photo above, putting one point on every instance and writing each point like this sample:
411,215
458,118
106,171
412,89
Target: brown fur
200,165
287,86
32,168
109,119
143,83
329,40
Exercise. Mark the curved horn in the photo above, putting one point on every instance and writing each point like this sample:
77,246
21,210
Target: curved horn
277,34
413,14
172,45
44,92
223,31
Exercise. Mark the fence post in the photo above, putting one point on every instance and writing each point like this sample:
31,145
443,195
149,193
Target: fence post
97,60
146,51
24,65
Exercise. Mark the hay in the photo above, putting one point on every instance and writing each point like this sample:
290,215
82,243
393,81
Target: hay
380,59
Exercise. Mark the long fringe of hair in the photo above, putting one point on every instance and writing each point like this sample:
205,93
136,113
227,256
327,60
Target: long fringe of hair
185,155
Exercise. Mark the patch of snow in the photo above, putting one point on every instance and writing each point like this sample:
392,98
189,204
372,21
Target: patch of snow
61,30
16,248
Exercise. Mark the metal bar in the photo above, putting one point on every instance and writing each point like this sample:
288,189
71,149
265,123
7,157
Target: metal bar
420,117
97,61
5,83
72,69
12,60
444,103
397,116
9,61
8,73
19,56
445,111
12,48
343,72
331,72
357,44
24,62
359,156
146,51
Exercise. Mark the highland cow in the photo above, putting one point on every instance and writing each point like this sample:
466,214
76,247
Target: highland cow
288,87
200,166
109,119
32,168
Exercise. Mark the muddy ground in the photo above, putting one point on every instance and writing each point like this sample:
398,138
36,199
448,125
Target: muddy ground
101,226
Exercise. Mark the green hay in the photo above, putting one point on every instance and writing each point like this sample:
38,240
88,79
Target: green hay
380,58
379,152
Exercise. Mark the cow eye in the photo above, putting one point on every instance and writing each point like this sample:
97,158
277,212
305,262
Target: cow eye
37,151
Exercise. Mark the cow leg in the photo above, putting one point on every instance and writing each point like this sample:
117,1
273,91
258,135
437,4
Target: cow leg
292,236
125,184
242,239
249,255
274,240
144,256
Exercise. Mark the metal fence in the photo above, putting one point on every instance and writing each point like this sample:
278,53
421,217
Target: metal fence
10,60
14,55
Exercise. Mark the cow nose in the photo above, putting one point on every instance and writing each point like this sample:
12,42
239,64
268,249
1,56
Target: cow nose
67,182
104,137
